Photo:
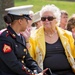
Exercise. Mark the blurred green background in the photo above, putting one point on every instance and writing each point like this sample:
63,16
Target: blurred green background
69,6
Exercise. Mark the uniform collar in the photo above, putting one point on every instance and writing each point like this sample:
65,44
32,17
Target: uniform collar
11,32
14,35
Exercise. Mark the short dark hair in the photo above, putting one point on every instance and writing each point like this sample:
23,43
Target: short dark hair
71,22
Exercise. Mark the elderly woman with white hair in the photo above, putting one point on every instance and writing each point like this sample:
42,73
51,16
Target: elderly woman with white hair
53,47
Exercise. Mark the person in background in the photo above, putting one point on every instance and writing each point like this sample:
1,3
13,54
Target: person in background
63,19
71,25
29,27
73,15
14,56
53,47
31,13
37,20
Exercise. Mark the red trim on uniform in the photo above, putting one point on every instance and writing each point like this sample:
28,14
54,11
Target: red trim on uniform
7,35
11,34
23,67
26,70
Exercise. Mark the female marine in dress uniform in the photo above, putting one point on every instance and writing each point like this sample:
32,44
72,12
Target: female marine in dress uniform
14,56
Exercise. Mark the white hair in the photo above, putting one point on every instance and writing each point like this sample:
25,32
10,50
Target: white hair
52,8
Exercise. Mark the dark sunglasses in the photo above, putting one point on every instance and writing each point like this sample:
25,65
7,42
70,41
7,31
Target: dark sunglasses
49,18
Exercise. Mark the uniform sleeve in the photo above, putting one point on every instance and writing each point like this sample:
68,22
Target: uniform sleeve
9,58
33,66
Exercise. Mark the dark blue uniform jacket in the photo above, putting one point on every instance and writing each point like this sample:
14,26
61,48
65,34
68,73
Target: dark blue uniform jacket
14,56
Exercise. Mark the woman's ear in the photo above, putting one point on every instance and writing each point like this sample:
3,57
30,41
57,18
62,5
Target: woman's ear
20,21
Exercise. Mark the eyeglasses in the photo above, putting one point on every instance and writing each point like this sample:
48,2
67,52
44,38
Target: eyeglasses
49,18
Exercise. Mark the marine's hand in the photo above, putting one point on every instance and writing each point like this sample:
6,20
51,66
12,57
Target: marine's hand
43,72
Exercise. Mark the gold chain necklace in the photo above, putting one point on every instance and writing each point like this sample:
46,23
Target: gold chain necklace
50,35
